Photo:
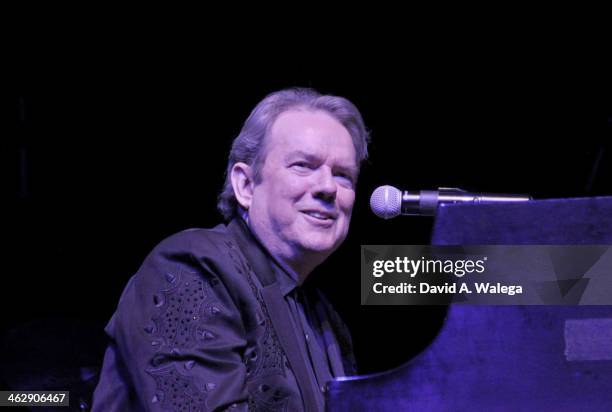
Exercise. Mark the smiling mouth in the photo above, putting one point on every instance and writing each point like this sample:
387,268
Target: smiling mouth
323,217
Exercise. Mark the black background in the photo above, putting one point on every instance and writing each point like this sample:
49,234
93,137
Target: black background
106,152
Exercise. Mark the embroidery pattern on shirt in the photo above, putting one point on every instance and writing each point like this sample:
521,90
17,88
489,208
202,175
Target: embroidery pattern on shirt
262,400
178,392
184,309
271,361
186,306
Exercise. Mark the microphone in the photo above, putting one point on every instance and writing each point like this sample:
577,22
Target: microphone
388,202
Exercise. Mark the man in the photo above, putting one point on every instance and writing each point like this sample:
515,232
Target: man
221,318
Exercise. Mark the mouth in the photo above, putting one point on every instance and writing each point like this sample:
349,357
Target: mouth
321,215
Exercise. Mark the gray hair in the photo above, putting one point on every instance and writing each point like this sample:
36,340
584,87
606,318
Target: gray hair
249,146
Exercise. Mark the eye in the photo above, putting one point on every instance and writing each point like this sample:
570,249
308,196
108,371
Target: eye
301,166
345,180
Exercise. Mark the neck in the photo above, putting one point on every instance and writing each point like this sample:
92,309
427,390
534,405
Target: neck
298,264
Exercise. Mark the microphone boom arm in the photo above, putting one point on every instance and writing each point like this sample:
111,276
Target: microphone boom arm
425,202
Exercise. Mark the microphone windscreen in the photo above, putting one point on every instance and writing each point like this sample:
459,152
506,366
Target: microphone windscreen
386,202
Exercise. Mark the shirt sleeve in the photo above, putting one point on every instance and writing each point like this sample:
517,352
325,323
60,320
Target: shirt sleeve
180,337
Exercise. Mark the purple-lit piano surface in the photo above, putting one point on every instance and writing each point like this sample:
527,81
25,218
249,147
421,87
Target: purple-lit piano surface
505,358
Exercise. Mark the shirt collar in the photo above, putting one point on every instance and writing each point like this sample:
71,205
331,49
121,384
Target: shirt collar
256,251
285,277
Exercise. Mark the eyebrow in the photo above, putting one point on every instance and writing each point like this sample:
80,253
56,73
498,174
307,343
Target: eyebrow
301,154
313,158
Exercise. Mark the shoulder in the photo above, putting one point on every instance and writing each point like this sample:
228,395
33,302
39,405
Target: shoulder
211,249
210,254
191,267
196,241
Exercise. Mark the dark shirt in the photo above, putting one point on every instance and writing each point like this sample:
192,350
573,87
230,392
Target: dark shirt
307,326
301,305
211,322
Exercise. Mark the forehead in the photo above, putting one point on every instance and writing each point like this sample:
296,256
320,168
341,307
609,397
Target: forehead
313,132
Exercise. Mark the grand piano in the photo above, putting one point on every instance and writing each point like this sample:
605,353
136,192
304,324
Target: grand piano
505,358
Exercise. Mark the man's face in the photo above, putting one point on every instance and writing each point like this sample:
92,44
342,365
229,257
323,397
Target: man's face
303,203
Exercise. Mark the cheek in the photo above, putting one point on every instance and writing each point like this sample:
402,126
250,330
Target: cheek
278,189
292,189
282,200
346,200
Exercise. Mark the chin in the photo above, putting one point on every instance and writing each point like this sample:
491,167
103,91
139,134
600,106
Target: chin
319,245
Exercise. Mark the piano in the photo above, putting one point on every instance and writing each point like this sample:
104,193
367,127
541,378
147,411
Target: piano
505,358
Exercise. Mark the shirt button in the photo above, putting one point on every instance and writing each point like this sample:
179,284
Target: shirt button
307,337
323,388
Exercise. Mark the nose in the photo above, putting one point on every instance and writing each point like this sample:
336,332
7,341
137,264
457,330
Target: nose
325,187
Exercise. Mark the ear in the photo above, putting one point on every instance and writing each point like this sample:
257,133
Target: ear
242,182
